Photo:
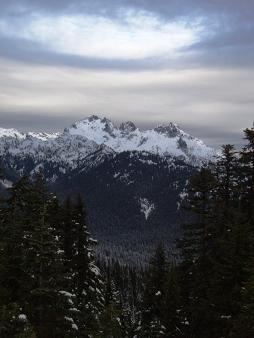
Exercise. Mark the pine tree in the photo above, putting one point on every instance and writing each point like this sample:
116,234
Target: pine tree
47,306
228,249
67,233
86,278
244,324
172,310
217,246
247,159
13,279
111,325
13,323
196,246
154,296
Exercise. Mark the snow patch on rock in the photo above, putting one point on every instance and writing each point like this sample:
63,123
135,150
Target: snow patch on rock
146,207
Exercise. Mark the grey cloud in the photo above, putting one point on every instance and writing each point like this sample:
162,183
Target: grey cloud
213,136
38,122
228,40
167,8
31,52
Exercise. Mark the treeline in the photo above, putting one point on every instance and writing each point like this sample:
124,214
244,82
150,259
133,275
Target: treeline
210,293
51,286
217,271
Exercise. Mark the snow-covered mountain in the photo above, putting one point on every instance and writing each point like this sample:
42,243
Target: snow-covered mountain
74,146
20,135
61,150
166,140
132,179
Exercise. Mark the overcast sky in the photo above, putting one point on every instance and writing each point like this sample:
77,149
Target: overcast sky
185,61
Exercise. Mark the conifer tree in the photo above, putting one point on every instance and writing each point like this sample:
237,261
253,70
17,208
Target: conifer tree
172,310
111,325
196,247
154,296
13,279
47,306
87,283
247,159
227,252
244,324
67,233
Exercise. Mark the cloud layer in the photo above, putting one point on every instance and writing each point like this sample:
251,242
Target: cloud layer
188,61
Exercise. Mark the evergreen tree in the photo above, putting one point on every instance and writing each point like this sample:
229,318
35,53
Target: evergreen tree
228,251
172,310
247,170
154,296
111,325
47,306
67,233
13,279
244,324
196,247
86,278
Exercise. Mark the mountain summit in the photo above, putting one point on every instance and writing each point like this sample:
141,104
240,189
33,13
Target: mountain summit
166,140
132,180
93,134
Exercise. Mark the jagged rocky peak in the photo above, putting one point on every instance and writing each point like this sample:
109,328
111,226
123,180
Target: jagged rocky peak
88,120
94,127
165,140
127,127
108,126
5,132
170,130
92,118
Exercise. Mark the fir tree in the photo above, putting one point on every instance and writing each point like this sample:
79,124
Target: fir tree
47,306
111,325
13,278
87,283
172,310
247,159
196,247
227,253
154,296
244,324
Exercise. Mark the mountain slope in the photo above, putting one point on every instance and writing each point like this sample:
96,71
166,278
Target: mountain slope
132,180
167,140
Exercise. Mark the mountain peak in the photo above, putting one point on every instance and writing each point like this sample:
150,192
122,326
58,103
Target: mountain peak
164,140
170,130
10,132
92,118
127,127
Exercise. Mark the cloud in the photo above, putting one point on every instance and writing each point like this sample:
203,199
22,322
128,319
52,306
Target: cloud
188,61
130,34
136,36
204,101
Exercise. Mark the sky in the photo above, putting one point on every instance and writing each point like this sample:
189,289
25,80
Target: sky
186,61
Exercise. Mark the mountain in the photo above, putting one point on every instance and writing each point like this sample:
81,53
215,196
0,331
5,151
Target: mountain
167,140
132,180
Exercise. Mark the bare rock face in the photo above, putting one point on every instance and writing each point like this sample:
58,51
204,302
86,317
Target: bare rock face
170,130
127,127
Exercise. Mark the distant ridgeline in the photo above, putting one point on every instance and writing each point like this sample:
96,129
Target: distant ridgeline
133,181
